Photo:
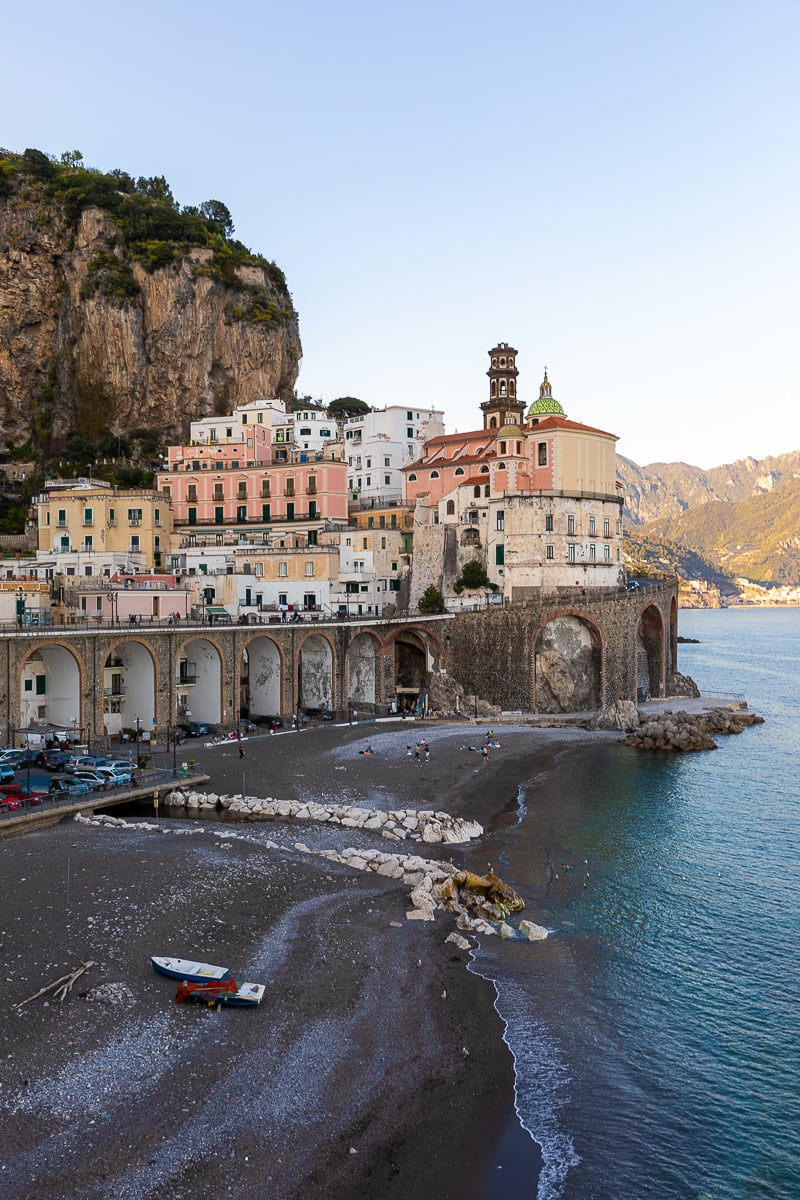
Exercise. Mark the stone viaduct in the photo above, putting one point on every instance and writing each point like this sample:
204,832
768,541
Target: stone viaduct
570,651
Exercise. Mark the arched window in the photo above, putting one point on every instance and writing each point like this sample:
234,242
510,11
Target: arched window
412,478
451,508
476,491
485,490
502,387
502,448
493,423
501,466
434,474
459,471
511,387
494,387
484,471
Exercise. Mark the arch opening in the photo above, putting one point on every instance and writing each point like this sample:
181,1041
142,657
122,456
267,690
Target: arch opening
568,666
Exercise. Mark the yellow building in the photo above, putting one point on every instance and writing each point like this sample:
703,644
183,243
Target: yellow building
94,518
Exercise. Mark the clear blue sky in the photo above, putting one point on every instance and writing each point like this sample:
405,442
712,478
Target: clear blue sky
610,187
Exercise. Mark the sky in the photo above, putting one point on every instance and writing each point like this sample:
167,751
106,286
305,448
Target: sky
612,188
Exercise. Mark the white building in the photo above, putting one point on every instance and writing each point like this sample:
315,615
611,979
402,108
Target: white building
376,444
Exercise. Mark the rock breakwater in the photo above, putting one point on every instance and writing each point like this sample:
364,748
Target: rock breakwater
688,731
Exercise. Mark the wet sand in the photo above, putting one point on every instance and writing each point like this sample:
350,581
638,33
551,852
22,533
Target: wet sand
374,1068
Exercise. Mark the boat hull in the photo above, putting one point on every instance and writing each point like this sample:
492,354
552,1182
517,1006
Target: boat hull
228,992
184,968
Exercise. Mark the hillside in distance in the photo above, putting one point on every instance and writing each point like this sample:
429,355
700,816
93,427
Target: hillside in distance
670,489
740,519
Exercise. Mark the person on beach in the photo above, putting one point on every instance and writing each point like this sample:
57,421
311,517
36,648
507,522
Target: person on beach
368,751
416,753
427,753
408,750
485,754
241,749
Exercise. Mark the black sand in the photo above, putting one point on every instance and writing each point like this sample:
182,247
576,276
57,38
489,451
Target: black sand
375,1066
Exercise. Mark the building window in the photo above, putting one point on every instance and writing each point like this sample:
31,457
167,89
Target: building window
112,514
365,543
191,493
191,516
570,524
541,454
311,487
242,490
501,466
606,527
62,518
451,508
309,568
288,489
265,512
241,512
592,526
499,554
409,433
459,471
283,570
219,516
572,553
607,553
412,478
409,416
549,552
592,552
548,523
265,489
134,542
434,474
290,511
501,520
218,492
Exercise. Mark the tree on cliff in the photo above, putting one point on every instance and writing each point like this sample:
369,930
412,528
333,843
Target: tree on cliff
347,406
219,214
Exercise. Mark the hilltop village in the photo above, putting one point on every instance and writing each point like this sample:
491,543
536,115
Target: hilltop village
449,571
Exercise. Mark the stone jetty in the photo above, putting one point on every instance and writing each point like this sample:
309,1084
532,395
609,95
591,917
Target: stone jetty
688,731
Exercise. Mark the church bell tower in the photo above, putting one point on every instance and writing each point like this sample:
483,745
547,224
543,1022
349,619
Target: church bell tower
502,407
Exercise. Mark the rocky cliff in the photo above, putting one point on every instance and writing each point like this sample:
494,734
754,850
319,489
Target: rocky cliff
102,335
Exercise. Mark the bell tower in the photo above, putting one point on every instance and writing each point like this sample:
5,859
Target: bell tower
502,407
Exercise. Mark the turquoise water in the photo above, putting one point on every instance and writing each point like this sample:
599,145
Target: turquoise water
654,1031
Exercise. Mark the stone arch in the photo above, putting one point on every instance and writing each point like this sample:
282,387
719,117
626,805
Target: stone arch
199,674
417,653
129,685
568,664
261,680
51,689
650,646
315,665
363,669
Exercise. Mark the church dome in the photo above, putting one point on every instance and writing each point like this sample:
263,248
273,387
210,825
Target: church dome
546,405
511,430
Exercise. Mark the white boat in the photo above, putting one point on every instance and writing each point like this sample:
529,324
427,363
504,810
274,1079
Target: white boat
184,968
229,992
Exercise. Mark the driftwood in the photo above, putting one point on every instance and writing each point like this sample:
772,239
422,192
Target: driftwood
59,987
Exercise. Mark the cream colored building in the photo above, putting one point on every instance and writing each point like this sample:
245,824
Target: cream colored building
93,518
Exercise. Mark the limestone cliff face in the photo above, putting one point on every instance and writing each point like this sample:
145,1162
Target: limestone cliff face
168,347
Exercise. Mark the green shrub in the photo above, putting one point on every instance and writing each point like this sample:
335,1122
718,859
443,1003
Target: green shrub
431,601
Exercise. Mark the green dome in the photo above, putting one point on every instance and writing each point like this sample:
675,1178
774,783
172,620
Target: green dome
510,431
545,404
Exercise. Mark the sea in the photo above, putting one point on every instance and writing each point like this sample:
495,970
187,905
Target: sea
655,1031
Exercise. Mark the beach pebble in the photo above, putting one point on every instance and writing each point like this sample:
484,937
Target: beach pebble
533,932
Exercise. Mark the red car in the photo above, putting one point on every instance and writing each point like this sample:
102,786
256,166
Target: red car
13,796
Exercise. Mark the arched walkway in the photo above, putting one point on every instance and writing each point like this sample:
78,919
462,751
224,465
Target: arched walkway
362,670
50,691
129,688
315,674
650,654
262,672
198,681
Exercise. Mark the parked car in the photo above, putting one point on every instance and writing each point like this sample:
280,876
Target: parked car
119,777
67,785
121,764
19,794
52,760
194,728
96,781
84,762
11,755
6,772
10,803
248,726
271,721
21,759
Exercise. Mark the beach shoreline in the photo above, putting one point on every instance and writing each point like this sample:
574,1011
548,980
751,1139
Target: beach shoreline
375,1066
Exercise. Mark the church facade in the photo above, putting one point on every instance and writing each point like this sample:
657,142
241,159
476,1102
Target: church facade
532,496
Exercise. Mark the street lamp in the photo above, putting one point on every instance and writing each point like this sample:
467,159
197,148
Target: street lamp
138,743
20,605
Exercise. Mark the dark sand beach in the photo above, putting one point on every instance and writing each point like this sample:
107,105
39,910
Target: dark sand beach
375,1066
